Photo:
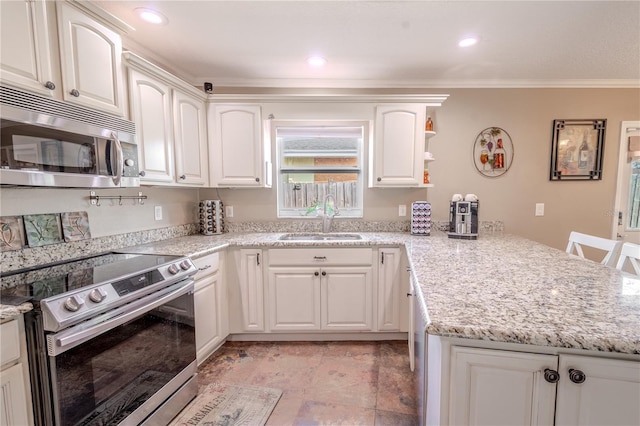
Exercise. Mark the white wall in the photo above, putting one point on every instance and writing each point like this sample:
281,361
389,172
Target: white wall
179,207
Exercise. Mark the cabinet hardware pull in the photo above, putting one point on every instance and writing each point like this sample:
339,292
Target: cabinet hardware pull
258,259
408,269
316,273
257,179
183,177
204,267
409,294
142,173
551,376
324,273
74,93
320,258
382,258
379,179
577,376
49,85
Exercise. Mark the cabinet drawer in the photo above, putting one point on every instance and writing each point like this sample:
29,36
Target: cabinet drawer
207,265
10,348
321,256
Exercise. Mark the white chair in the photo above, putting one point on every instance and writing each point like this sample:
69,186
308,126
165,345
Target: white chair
630,252
578,240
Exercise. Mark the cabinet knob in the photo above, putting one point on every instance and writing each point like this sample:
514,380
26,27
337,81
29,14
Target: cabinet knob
379,179
257,179
183,177
577,376
75,93
49,85
324,273
316,273
551,376
142,173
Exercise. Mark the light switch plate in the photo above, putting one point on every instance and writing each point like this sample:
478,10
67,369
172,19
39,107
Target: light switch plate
539,209
228,211
157,212
402,210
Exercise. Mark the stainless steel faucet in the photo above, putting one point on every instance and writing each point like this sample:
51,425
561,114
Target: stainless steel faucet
327,218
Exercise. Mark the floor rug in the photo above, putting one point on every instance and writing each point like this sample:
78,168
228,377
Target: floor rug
226,405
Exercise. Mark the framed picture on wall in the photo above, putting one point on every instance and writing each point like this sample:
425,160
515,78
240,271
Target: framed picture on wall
577,148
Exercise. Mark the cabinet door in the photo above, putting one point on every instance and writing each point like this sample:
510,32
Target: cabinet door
251,290
294,298
236,155
190,140
207,302
398,146
13,400
492,387
91,61
151,110
609,395
347,298
25,45
389,289
411,340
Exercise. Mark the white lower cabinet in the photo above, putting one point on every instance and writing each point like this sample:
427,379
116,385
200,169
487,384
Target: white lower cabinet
251,289
15,395
320,289
609,395
210,303
502,387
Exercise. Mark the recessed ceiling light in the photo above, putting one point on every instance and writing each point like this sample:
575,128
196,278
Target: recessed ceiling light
316,61
151,16
467,41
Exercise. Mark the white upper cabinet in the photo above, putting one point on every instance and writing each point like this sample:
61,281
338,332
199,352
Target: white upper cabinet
151,110
398,146
81,63
91,61
171,128
238,150
189,115
25,42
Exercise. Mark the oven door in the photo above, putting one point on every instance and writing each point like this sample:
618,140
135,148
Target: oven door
122,369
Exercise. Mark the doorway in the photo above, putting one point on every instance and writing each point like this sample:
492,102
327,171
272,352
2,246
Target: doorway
626,216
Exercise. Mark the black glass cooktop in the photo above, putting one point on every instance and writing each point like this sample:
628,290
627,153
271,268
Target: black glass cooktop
51,280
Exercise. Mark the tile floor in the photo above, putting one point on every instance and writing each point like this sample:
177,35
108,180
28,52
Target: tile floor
323,383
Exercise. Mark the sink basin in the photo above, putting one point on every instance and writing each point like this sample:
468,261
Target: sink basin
320,237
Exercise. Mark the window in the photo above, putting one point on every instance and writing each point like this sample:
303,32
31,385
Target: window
319,158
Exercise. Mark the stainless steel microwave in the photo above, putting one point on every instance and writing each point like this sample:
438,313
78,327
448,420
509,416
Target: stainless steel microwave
45,142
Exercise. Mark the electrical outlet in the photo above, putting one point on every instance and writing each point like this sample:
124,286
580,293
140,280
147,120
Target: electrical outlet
228,211
157,212
539,209
402,210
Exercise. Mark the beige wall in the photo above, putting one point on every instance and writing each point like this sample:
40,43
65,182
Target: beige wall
527,115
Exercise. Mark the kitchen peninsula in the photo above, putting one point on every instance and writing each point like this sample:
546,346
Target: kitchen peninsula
499,296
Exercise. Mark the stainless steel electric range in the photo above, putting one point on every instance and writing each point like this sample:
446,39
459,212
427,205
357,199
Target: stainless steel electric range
111,339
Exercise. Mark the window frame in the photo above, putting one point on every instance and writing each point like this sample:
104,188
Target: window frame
299,213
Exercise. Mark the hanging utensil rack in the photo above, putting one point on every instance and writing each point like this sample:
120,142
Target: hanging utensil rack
95,199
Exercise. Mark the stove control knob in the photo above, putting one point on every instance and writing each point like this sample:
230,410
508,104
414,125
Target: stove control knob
185,265
97,295
73,303
173,269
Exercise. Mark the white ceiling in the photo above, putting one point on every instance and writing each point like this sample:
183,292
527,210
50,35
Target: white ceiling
392,43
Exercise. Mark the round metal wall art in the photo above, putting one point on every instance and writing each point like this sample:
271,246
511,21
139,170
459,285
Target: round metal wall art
493,152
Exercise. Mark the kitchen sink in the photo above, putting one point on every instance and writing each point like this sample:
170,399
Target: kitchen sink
320,237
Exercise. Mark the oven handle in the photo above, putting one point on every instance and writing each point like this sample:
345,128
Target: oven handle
74,336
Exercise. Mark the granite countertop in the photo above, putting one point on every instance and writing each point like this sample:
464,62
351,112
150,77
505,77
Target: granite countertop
500,287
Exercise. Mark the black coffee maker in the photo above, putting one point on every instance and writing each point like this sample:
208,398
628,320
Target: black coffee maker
463,217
